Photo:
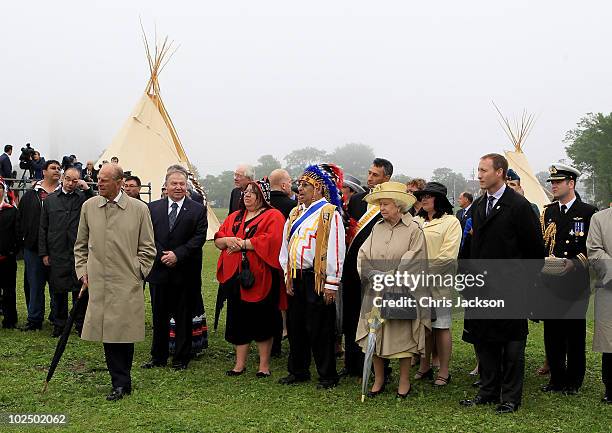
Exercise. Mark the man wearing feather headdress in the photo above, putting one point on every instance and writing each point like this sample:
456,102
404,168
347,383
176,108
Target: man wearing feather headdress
312,256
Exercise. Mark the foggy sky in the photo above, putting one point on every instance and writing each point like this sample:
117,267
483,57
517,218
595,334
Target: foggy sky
414,81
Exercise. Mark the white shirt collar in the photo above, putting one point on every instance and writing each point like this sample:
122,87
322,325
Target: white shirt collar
179,203
568,204
467,208
118,196
497,194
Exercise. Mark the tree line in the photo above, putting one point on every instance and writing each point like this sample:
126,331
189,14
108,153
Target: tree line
589,147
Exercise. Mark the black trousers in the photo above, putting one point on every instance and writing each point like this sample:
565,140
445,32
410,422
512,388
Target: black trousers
606,372
61,310
564,342
502,370
119,357
171,301
8,283
312,329
353,355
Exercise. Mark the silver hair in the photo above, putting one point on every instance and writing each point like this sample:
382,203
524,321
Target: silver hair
177,167
171,172
403,208
249,171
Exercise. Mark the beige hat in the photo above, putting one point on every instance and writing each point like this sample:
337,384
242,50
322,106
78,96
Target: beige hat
393,191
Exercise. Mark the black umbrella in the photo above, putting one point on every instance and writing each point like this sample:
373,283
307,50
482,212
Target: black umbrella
221,297
80,305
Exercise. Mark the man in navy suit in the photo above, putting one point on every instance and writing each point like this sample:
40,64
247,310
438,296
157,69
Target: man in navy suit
465,203
6,168
180,225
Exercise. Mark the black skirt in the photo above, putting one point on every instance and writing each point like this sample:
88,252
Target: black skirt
250,321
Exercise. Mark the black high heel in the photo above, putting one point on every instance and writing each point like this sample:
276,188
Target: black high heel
234,372
372,394
398,395
427,375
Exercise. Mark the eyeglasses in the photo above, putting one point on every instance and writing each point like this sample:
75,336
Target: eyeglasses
249,192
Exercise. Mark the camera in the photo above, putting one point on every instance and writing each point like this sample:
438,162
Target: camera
25,159
67,162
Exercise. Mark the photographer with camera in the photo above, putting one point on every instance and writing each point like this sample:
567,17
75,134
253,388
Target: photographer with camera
25,160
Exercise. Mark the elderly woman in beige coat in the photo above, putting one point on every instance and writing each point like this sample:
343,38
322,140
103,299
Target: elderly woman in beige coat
396,244
443,237
599,251
114,252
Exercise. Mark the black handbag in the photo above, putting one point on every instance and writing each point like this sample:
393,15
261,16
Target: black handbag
397,313
245,277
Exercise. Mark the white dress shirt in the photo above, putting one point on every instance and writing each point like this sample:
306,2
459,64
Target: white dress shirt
180,205
568,205
497,195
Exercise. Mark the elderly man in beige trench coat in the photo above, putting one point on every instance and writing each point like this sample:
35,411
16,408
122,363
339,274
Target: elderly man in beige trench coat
114,252
599,251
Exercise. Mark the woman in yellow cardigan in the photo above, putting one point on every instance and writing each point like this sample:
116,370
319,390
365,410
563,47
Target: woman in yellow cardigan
443,237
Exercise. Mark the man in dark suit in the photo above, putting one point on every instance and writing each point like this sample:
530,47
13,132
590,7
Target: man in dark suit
180,225
507,233
362,218
280,190
6,167
242,176
566,226
465,203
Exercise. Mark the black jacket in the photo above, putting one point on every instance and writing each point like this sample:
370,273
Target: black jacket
93,177
512,237
37,166
351,282
185,240
572,290
9,241
282,202
59,224
6,167
28,223
235,198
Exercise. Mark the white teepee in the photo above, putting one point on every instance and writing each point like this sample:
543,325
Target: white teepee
517,160
148,143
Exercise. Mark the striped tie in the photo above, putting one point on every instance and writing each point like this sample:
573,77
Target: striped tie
491,199
172,215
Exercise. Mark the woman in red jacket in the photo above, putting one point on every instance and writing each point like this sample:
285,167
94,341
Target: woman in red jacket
253,235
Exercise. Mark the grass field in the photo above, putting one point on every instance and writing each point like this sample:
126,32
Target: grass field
202,398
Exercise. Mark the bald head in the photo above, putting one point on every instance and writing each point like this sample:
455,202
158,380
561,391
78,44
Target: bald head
280,181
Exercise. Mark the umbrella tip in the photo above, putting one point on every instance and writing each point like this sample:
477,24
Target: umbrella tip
362,398
45,387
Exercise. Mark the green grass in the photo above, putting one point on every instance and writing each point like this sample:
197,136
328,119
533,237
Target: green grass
204,399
